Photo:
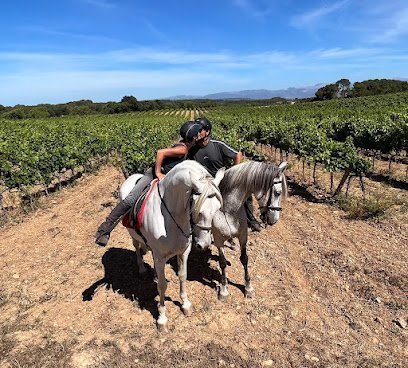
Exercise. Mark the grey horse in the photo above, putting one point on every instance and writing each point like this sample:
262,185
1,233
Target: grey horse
267,183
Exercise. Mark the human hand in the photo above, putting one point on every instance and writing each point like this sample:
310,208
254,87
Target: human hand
160,176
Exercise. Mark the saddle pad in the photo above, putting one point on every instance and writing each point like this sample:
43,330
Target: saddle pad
133,219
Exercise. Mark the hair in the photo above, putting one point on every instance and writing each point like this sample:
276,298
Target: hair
252,175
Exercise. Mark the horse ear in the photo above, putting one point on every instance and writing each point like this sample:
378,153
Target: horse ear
282,166
219,176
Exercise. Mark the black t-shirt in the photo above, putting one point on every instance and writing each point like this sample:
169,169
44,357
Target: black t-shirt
213,156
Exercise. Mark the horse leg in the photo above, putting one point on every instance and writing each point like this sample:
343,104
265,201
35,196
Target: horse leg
139,257
161,288
249,290
182,274
223,292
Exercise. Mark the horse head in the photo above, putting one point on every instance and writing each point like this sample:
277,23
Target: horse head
206,201
270,202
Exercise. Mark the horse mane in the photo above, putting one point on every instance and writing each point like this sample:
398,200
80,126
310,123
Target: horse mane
252,176
204,194
284,187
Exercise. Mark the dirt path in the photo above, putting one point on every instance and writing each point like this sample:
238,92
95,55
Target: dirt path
329,292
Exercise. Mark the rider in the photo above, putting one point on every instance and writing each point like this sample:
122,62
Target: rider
212,154
166,159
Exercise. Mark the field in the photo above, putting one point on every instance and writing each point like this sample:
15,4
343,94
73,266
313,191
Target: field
329,292
330,288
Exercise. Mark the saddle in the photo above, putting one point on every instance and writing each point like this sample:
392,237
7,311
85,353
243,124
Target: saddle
133,219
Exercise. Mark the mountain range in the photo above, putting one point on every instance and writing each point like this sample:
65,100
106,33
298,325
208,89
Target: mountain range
256,94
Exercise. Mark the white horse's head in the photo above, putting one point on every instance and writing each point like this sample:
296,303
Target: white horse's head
206,201
270,202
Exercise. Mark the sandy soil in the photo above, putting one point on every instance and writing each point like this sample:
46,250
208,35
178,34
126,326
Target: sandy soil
329,292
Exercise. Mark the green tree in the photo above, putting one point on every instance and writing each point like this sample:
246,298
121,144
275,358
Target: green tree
16,113
131,103
38,112
343,88
327,92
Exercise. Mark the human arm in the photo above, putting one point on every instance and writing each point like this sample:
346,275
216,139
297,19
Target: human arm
229,152
238,158
162,154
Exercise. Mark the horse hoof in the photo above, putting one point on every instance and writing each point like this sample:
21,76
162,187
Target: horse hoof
222,297
249,294
162,327
187,311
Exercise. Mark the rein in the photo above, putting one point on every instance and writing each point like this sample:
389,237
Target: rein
192,224
174,220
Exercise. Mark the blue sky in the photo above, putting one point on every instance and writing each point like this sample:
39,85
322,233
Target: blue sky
59,51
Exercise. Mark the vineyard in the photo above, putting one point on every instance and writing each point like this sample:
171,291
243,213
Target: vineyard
332,134
330,289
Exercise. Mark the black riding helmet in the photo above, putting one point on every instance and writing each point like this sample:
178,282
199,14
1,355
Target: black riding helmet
189,130
206,124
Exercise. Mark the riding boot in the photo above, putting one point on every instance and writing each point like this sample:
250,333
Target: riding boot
103,233
251,220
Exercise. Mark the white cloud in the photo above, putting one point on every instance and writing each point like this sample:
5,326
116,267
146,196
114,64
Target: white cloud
153,73
396,27
66,34
314,16
339,53
141,57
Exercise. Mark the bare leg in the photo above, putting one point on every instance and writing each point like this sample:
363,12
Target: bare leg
182,274
223,292
243,238
161,288
140,263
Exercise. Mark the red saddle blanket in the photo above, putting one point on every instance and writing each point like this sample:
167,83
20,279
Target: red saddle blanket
126,221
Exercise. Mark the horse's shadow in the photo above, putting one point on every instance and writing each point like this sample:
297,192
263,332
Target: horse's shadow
122,276
199,269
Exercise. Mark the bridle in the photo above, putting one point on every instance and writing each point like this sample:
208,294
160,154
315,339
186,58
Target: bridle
269,201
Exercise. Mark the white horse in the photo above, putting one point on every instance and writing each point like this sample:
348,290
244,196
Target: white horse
268,183
180,207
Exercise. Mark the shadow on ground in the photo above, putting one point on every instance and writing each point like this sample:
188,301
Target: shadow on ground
121,276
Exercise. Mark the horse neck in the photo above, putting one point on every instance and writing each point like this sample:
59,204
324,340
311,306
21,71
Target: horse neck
234,199
176,194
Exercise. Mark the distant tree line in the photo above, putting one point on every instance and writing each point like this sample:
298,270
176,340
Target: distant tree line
127,104
88,107
343,88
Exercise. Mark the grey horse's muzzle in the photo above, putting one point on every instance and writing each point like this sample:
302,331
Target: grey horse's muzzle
201,236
